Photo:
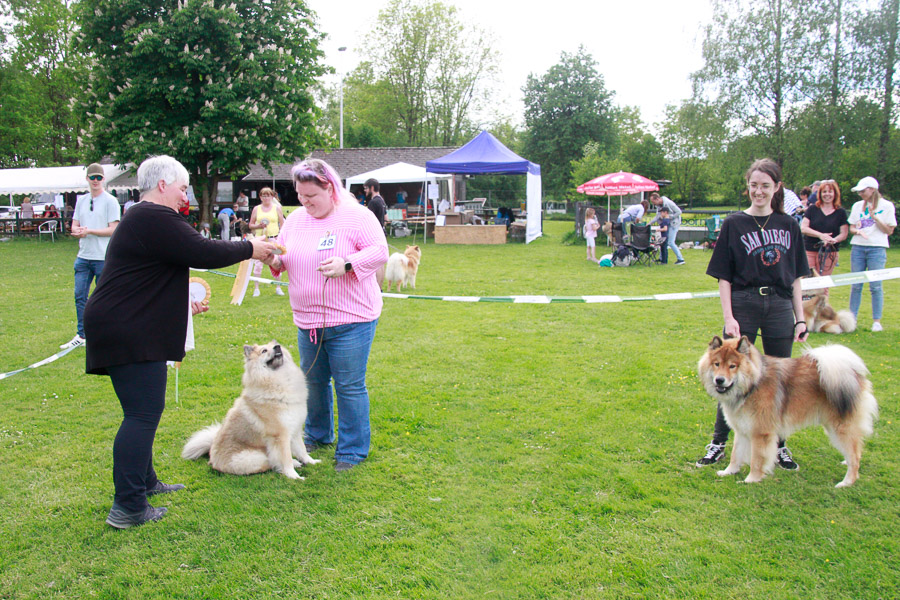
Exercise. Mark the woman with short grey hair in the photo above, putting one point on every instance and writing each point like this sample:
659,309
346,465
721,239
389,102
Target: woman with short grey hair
136,320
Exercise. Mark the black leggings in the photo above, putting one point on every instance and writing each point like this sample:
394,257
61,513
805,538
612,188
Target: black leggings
141,388
770,314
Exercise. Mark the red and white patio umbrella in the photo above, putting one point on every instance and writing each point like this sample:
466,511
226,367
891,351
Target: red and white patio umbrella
617,184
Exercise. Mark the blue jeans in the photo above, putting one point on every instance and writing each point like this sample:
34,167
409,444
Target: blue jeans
343,356
673,233
86,271
867,258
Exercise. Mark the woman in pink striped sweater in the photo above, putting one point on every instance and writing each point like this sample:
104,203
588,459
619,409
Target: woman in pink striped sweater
334,247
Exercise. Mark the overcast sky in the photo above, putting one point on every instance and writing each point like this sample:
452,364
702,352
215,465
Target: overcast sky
645,49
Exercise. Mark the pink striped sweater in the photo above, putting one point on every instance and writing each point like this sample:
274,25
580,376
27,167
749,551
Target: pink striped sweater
351,298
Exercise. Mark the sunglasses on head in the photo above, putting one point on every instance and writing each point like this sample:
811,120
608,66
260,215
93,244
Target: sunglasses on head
95,177
307,174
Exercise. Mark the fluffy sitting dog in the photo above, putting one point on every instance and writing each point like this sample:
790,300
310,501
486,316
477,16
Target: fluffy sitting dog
820,317
765,398
402,268
264,428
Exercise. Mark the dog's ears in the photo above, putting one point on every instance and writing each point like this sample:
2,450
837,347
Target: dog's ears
248,350
744,346
715,343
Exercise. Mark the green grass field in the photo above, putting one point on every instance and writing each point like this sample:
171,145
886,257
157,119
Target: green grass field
519,451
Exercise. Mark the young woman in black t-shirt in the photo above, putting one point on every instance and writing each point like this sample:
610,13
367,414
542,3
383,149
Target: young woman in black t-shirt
759,260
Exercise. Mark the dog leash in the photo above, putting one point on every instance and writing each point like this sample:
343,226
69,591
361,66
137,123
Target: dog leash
313,336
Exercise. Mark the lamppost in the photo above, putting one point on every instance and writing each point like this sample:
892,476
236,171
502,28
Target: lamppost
342,49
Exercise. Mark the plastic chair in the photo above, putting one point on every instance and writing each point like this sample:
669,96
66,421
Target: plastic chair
646,251
48,228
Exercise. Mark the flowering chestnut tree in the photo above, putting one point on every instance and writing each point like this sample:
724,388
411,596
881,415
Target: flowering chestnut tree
218,84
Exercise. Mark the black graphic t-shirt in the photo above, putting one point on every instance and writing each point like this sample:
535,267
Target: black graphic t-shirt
819,221
749,256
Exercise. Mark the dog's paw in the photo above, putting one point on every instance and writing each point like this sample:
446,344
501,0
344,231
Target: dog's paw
308,460
292,474
753,479
726,472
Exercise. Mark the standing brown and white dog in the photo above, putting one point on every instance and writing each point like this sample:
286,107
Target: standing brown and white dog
765,398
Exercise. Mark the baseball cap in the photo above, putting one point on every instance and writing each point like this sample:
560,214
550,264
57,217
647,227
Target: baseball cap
96,169
865,182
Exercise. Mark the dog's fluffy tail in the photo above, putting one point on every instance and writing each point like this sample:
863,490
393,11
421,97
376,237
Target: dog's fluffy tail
847,321
200,443
844,377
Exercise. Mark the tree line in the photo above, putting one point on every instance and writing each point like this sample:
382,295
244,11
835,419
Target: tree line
222,85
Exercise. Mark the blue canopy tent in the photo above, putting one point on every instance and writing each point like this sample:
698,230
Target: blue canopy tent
485,154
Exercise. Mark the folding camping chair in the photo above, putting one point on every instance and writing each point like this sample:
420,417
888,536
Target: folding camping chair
617,235
646,251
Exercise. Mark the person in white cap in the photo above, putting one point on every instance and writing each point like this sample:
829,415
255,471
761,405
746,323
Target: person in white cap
872,220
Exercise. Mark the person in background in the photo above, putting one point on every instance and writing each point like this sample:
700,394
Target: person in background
50,212
824,227
266,221
792,205
377,205
804,197
674,225
662,218
591,225
759,262
137,320
634,213
872,220
334,248
226,218
813,196
26,211
97,214
204,231
242,206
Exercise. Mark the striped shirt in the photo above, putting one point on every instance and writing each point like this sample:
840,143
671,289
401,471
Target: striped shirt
352,298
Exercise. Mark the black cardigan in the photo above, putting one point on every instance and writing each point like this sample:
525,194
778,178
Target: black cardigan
139,310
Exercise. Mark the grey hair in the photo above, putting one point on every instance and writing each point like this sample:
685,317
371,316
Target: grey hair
160,168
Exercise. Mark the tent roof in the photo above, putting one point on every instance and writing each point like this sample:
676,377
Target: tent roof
400,172
50,180
483,154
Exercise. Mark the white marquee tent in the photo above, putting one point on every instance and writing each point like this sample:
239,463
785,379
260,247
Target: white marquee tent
400,172
50,180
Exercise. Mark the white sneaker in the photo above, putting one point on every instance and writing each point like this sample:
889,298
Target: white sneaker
279,291
256,292
876,326
75,341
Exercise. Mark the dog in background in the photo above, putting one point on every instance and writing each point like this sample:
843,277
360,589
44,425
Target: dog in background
821,317
264,428
402,268
765,398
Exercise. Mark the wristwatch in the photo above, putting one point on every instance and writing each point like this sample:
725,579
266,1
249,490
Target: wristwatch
347,267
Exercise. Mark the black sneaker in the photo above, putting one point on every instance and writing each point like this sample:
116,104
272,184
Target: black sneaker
784,460
343,466
714,453
120,519
164,488
679,262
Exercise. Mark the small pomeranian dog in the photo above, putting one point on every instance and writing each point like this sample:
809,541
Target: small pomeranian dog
402,268
821,317
765,398
264,429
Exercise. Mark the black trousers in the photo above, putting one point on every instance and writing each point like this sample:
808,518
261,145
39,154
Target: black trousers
773,316
141,388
